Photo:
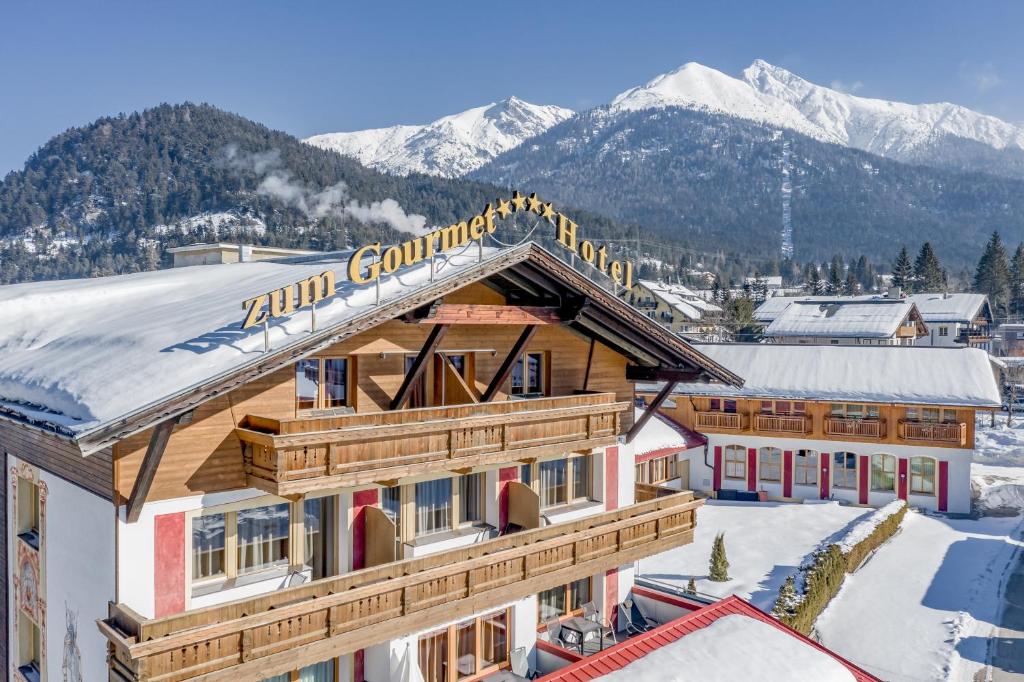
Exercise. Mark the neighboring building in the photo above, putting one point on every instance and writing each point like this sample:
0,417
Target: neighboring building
864,425
728,640
951,319
678,308
772,284
415,476
955,320
838,322
219,253
1009,339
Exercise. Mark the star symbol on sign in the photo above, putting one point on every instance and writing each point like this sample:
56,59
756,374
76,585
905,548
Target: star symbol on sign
533,203
548,212
518,201
504,208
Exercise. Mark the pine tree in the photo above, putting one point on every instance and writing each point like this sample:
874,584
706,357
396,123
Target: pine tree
903,271
851,287
929,276
835,276
992,276
691,587
719,565
815,285
1017,282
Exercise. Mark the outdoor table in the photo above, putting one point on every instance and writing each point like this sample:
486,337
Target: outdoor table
580,628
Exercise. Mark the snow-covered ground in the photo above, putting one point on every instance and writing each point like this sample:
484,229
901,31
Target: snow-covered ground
926,604
765,543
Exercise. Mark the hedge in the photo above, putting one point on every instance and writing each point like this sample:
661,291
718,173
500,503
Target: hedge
825,574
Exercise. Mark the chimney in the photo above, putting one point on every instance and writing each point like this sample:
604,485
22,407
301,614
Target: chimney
895,293
244,253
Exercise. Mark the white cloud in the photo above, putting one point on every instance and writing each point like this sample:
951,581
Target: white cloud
982,77
848,88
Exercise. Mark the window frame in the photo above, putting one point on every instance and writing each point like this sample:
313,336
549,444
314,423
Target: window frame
321,400
762,466
845,469
884,458
810,464
570,596
728,463
860,411
451,632
572,495
921,477
522,363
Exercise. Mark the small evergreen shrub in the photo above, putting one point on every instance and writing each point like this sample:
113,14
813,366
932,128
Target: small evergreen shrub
719,565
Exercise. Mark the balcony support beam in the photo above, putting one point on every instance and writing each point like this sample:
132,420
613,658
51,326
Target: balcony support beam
664,393
150,463
508,363
419,365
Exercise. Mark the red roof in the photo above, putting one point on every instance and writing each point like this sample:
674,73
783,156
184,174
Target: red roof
624,653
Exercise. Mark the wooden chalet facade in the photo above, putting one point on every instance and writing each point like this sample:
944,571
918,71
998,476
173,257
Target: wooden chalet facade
421,473
860,425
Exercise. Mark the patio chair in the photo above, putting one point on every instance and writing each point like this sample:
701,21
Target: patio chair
554,629
521,664
590,611
634,620
651,622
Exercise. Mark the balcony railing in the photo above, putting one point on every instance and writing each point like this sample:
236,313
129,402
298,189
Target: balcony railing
296,626
720,420
861,428
944,433
782,423
288,456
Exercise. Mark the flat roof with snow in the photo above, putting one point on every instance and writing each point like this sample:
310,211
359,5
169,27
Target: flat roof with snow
879,318
875,374
937,307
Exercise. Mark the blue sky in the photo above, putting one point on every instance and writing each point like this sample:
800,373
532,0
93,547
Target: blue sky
310,67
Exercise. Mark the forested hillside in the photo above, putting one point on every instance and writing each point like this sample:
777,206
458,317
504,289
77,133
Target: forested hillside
111,196
714,182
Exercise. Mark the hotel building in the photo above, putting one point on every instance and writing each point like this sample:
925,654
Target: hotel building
415,472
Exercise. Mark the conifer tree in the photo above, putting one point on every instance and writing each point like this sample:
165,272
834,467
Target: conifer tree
815,286
929,275
1017,282
835,276
903,271
992,276
719,565
785,605
851,287
691,587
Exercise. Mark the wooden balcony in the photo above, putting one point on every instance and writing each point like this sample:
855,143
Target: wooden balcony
859,428
264,636
729,421
943,433
778,423
289,456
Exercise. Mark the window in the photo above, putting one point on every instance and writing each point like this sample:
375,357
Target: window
209,558
883,473
853,411
943,331
805,467
736,462
262,538
563,600
526,474
719,405
28,512
319,533
528,374
319,672
656,470
922,475
321,383
481,646
471,498
418,391
932,415
770,468
783,408
844,470
433,506
29,648
564,480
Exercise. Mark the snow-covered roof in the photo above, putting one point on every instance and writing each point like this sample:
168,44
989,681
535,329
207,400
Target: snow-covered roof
879,318
680,298
962,308
711,653
874,374
660,434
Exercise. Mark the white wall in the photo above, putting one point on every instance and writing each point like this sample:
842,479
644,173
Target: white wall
79,574
959,480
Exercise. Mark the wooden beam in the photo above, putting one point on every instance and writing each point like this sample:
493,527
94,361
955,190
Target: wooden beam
419,366
651,409
462,313
639,373
590,360
506,365
147,471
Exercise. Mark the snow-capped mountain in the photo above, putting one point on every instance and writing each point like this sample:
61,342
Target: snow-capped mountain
942,134
451,146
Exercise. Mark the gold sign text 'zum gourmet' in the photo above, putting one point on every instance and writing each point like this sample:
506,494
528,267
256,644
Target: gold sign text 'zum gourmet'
388,260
